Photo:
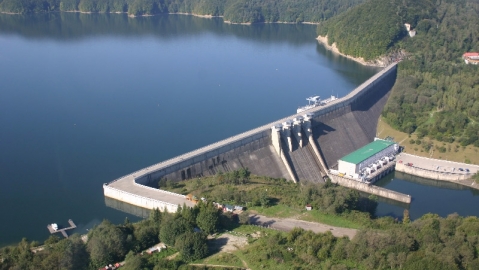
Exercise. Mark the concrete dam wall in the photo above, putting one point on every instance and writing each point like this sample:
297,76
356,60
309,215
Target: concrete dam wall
337,129
342,131
298,148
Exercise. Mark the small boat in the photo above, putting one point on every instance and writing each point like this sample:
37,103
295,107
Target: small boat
54,226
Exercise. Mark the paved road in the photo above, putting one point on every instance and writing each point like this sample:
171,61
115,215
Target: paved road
287,224
437,165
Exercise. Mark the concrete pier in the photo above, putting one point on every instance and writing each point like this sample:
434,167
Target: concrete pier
62,230
436,169
291,148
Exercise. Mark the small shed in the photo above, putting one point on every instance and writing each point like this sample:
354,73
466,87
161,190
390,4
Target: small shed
153,250
309,207
228,208
239,207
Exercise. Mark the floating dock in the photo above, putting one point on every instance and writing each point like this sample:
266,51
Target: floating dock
62,230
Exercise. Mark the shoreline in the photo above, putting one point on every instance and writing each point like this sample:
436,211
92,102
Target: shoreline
170,13
419,166
324,41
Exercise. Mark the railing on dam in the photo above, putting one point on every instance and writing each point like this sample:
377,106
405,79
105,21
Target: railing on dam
264,130
131,189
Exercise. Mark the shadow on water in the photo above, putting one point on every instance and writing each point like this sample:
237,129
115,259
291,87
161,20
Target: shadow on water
68,26
424,182
351,71
127,208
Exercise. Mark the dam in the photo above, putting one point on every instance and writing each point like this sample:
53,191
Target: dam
300,148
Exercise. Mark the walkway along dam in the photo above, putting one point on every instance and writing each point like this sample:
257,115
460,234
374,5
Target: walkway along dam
301,147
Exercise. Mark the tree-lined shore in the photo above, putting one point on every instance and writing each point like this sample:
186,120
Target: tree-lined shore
233,11
436,94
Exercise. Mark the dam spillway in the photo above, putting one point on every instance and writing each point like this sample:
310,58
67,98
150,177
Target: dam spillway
300,147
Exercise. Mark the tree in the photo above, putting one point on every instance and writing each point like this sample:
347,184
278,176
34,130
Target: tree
172,228
227,220
146,235
192,246
244,175
134,262
406,218
243,218
208,218
106,243
155,216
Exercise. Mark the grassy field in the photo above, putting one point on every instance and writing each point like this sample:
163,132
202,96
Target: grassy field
283,211
333,220
439,150
204,186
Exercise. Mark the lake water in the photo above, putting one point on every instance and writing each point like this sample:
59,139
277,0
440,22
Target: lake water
428,196
87,98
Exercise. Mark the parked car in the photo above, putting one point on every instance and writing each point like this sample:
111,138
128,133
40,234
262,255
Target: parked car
461,169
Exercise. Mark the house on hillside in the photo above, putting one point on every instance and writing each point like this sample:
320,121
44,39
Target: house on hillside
471,58
410,31
228,208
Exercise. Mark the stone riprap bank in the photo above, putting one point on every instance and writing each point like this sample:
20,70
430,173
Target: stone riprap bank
292,148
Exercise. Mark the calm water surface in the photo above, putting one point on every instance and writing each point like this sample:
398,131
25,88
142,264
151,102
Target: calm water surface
85,99
428,196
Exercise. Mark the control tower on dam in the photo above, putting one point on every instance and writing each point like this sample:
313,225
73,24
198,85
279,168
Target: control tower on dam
301,147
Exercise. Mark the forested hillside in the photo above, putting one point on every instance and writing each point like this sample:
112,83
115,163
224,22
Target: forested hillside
430,242
235,11
436,94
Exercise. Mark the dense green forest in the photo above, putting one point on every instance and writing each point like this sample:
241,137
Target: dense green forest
108,243
435,94
430,242
235,11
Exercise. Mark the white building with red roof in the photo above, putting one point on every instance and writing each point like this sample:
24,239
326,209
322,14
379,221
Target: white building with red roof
471,58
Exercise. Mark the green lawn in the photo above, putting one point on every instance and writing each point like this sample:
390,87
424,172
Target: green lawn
333,220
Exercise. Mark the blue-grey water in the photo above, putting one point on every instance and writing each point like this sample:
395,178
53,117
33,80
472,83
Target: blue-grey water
428,196
87,98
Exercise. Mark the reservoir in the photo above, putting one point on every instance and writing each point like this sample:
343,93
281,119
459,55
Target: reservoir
87,98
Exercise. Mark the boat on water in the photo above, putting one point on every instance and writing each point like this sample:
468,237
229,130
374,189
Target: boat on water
315,101
54,226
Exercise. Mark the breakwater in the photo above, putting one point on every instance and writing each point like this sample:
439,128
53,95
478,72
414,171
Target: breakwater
441,170
371,189
270,150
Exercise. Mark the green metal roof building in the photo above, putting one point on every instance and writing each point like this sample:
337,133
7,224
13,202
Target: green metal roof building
367,151
365,156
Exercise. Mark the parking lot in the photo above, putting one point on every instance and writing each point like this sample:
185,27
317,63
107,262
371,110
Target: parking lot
437,165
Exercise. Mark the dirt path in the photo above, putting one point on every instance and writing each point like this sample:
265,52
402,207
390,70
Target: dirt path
287,224
214,265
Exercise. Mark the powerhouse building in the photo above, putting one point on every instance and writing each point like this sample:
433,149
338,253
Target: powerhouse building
367,157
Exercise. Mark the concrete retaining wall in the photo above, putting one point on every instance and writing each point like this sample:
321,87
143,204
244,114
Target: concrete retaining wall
127,208
371,189
138,200
452,177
